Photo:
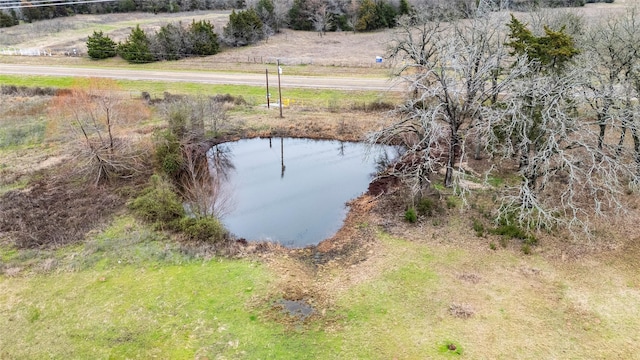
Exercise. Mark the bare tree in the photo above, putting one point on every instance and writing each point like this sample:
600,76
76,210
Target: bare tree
193,118
610,51
320,17
566,176
527,102
452,70
94,117
281,13
352,10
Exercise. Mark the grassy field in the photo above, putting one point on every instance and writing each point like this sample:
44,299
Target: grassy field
313,98
130,293
433,289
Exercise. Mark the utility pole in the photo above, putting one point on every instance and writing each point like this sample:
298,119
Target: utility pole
279,88
266,71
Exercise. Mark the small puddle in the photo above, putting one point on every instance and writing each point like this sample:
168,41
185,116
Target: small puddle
296,308
293,191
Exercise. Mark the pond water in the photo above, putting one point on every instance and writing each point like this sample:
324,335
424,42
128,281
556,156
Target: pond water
293,191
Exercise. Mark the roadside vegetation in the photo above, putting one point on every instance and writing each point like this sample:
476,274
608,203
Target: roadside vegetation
505,230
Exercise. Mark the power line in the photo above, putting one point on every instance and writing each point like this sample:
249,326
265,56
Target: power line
6,5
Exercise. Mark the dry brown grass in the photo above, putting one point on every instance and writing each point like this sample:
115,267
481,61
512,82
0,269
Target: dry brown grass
72,31
334,54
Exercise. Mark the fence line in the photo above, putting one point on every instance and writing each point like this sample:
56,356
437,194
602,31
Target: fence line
12,51
286,61
248,59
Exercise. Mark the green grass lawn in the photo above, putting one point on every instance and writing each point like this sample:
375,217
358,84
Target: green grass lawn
254,95
129,292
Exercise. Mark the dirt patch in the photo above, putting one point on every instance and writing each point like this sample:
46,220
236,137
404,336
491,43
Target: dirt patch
56,210
318,275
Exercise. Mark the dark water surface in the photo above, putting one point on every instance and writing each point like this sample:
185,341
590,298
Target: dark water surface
293,191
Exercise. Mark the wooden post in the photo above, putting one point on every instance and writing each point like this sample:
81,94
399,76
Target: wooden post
268,96
279,88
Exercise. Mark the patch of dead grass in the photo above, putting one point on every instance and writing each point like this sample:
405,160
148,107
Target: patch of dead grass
55,211
462,311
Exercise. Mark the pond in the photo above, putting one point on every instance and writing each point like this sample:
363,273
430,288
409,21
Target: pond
293,191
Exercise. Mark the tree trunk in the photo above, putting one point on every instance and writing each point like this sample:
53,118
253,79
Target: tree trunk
454,144
603,128
524,157
636,149
627,119
621,141
108,113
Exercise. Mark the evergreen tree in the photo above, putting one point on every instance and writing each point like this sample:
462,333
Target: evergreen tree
244,28
551,51
171,43
265,10
299,17
100,46
137,47
29,12
375,15
404,8
386,14
126,6
7,20
204,40
367,17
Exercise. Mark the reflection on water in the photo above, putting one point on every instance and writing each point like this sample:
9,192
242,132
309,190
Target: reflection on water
293,191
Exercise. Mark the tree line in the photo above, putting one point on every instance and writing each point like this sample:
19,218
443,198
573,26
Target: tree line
319,15
171,42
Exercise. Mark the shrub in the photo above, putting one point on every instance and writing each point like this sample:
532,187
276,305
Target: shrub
507,227
478,227
426,207
531,240
169,154
159,204
27,91
410,215
510,230
203,229
452,202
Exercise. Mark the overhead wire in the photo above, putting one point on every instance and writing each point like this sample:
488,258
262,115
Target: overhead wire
6,5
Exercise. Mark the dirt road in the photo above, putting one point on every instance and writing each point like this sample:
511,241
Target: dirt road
315,82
